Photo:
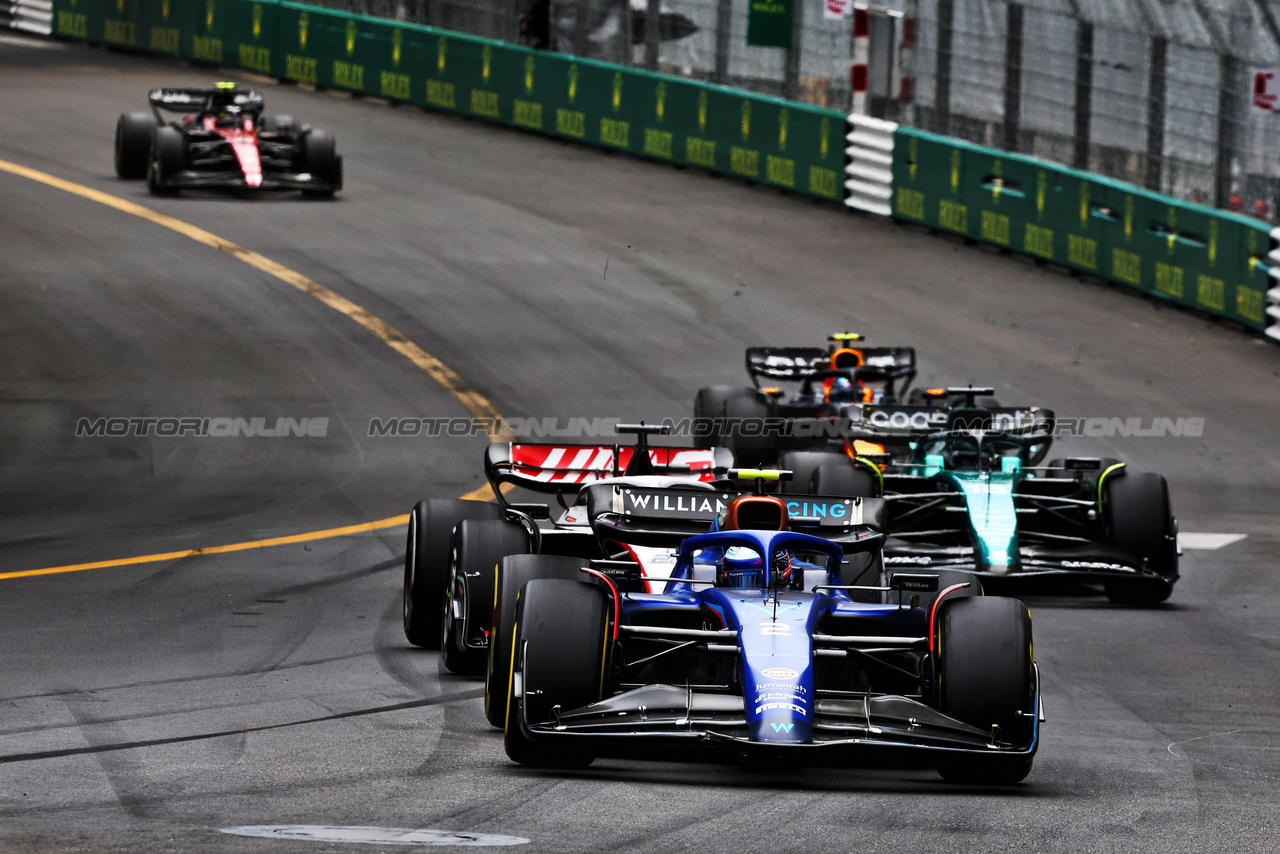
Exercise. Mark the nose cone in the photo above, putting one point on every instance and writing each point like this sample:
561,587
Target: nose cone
777,665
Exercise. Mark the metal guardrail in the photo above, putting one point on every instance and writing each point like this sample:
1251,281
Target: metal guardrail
869,168
32,16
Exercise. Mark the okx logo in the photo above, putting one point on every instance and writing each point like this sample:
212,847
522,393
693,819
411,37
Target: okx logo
782,727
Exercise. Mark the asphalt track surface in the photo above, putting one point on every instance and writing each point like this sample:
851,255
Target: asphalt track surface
144,707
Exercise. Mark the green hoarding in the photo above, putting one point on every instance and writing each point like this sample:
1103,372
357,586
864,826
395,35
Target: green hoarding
1178,251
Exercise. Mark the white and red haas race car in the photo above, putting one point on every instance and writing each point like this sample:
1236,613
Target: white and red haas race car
454,546
221,140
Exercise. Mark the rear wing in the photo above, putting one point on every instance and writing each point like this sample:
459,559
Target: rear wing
666,517
191,100
796,364
567,468
903,420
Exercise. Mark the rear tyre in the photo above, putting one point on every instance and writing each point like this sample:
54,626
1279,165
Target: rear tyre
708,406
985,680
514,572
426,562
561,628
319,154
802,465
168,158
478,545
133,144
845,479
1135,510
749,428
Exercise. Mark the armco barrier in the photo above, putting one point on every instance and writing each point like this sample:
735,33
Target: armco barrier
794,146
1180,251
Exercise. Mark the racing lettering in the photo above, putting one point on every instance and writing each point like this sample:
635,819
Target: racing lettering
300,68
396,86
118,32
953,215
700,152
255,58
788,707
527,114
441,94
73,24
484,103
348,75
206,48
910,203
571,123
615,132
1082,251
658,142
1126,266
164,39
781,170
823,182
744,162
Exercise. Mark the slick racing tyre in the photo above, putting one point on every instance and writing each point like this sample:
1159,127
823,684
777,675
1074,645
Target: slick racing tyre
841,477
985,680
426,562
750,428
514,572
168,158
133,144
478,545
708,407
1135,510
802,465
319,155
560,631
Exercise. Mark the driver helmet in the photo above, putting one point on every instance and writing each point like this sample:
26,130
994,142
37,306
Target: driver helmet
741,566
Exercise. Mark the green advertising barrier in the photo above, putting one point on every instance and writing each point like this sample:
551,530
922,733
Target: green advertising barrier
794,146
1179,251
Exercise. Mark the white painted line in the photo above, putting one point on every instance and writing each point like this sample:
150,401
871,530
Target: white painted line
1208,542
374,835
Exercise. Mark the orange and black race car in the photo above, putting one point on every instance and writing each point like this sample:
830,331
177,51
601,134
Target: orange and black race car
766,424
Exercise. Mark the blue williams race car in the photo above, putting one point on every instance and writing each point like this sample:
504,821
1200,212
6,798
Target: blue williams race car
758,650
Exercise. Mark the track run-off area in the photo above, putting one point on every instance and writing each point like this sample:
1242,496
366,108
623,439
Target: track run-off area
252,672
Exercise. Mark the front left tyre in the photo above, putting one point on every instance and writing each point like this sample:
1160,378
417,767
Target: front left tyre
133,144
1135,510
319,155
168,158
561,661
985,679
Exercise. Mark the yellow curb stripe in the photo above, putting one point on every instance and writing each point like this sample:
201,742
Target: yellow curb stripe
474,402
215,550
484,493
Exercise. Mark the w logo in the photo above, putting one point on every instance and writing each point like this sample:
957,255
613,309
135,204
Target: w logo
782,727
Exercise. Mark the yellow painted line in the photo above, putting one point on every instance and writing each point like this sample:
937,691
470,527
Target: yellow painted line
484,493
474,402
216,550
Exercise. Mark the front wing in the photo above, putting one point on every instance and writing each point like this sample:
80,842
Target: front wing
672,723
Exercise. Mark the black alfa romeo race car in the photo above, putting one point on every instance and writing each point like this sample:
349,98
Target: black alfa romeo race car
220,139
